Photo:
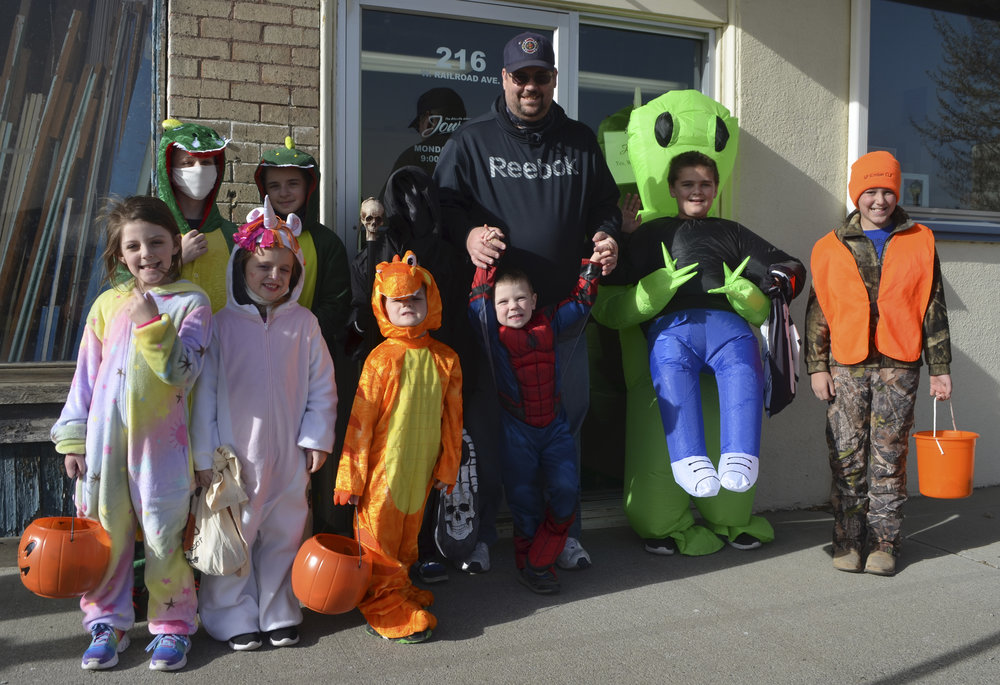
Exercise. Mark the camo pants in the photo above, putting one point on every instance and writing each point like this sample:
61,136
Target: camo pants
868,429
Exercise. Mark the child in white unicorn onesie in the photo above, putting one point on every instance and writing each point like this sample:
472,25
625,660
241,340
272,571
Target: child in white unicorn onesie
268,391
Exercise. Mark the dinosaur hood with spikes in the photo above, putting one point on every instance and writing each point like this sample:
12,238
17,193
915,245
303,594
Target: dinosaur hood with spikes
289,156
403,278
199,141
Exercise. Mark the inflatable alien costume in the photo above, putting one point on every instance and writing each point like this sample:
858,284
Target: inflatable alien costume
656,506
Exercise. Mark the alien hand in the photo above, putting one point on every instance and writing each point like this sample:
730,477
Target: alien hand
744,297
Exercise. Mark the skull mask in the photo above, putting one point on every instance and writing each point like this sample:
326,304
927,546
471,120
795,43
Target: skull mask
372,215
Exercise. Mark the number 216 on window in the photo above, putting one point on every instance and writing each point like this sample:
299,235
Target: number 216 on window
477,60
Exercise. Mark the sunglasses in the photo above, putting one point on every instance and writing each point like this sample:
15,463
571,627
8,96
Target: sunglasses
523,78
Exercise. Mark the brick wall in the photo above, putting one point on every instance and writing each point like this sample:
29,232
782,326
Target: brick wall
250,70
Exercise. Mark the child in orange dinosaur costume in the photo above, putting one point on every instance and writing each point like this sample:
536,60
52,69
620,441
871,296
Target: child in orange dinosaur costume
404,435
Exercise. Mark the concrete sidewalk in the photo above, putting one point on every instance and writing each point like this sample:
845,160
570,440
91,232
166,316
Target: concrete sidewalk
779,614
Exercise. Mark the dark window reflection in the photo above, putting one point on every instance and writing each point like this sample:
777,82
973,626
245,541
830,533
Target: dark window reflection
75,127
408,64
614,62
934,91
422,75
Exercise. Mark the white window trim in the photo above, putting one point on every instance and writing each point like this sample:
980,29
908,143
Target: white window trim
947,224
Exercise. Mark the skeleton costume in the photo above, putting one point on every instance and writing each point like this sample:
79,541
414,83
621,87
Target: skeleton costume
268,391
127,412
405,432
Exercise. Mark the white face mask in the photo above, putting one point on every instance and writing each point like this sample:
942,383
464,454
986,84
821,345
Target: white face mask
196,182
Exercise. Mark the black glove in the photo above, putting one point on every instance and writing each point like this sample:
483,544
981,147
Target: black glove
786,279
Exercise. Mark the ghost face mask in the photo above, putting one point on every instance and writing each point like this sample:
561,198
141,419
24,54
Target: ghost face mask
195,181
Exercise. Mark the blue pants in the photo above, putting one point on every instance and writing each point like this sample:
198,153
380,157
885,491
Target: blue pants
539,466
682,345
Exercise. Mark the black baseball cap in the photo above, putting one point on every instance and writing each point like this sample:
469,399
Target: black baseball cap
528,49
439,100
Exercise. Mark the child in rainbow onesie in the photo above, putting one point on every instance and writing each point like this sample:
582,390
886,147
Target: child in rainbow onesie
124,431
536,443
404,436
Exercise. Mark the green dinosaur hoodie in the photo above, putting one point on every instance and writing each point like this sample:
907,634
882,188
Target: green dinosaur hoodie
209,270
327,287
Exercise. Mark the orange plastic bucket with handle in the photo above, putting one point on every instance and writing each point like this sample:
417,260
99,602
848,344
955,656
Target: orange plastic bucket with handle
331,573
946,460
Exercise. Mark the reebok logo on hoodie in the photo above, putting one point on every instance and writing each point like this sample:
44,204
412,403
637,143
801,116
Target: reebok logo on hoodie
533,170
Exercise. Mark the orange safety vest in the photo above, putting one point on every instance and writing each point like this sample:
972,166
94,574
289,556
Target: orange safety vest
903,297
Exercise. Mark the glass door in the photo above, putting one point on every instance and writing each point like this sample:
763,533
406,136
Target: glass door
410,79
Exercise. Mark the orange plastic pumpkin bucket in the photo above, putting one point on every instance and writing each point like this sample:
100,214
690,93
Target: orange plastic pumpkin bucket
63,556
331,573
946,460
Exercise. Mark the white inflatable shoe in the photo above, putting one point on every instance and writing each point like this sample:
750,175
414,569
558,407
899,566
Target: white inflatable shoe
696,476
738,471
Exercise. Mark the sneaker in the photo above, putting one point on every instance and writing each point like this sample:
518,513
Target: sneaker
540,582
848,560
105,646
245,642
573,557
664,547
881,563
169,652
744,541
411,639
478,561
284,637
433,571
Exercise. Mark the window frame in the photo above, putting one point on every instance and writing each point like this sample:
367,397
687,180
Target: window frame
947,224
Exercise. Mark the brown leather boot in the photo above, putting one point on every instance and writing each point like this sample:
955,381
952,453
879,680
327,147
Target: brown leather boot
881,563
848,560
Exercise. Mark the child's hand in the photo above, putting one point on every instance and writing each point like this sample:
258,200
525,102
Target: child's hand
442,486
315,460
605,252
76,465
822,385
631,206
142,307
485,245
203,478
342,497
193,245
941,386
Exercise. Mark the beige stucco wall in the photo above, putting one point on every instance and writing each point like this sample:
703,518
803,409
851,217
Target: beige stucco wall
791,95
783,68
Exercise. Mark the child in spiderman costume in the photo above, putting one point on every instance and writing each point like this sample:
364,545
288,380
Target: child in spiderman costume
538,464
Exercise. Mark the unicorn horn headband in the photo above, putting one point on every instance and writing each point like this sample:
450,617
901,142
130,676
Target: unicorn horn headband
265,229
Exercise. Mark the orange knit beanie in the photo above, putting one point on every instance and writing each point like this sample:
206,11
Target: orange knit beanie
877,169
